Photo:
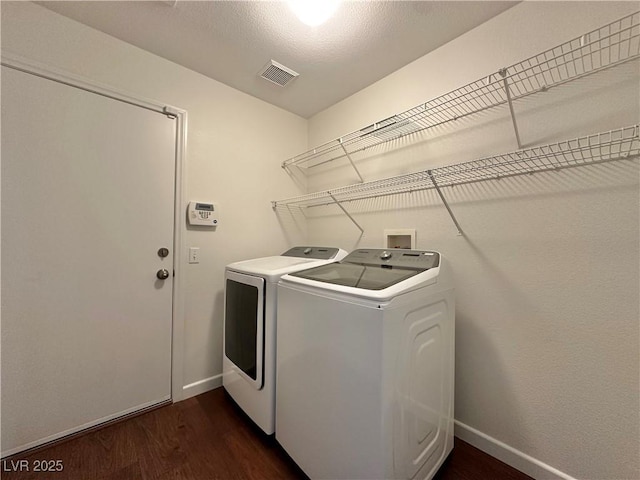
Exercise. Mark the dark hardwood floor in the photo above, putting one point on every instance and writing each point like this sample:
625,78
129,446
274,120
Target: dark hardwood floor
204,437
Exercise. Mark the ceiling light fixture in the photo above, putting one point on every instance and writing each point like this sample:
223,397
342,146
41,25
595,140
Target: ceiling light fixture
313,12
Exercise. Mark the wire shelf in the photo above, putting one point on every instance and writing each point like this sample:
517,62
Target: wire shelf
606,47
619,144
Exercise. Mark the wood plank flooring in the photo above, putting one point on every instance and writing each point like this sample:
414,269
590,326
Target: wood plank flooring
204,437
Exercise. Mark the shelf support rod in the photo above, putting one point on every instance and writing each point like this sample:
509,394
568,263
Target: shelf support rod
345,212
352,164
444,201
503,74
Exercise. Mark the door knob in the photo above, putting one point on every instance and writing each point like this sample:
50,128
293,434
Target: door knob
162,274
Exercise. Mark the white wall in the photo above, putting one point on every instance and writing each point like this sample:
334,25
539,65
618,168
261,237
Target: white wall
547,357
235,146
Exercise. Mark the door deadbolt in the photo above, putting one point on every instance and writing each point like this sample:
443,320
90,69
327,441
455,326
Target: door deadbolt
162,274
163,252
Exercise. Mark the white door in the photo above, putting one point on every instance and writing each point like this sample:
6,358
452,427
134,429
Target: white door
87,202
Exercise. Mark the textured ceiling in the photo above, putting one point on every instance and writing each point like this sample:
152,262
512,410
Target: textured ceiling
231,41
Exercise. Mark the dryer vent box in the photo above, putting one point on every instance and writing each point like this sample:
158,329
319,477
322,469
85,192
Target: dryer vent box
400,238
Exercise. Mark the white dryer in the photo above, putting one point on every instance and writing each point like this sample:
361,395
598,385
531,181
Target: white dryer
365,366
249,332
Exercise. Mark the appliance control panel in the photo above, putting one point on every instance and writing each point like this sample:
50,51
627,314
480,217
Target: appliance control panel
397,257
321,253
203,214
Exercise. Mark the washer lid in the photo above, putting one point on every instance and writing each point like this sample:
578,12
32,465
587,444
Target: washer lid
358,276
373,269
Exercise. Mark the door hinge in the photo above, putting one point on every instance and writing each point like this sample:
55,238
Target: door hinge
170,112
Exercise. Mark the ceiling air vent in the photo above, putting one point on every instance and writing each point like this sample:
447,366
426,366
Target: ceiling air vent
277,73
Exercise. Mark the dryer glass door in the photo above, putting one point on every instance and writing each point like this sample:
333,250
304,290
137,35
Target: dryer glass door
244,325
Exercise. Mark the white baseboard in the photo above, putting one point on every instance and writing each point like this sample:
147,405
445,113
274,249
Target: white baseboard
509,455
201,386
79,429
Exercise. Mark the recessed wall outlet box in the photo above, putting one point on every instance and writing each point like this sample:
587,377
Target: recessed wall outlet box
202,214
400,238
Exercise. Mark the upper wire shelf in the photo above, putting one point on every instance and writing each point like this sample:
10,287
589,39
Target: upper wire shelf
600,49
619,144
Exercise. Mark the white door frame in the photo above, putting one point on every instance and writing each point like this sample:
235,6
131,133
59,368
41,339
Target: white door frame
177,325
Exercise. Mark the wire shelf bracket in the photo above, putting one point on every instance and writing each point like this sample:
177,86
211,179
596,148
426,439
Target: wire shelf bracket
503,74
445,203
346,213
351,161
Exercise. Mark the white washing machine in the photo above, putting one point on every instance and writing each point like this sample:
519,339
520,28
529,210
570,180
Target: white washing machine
249,338
365,366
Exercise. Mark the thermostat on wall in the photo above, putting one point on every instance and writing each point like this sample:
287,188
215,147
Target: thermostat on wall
204,214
